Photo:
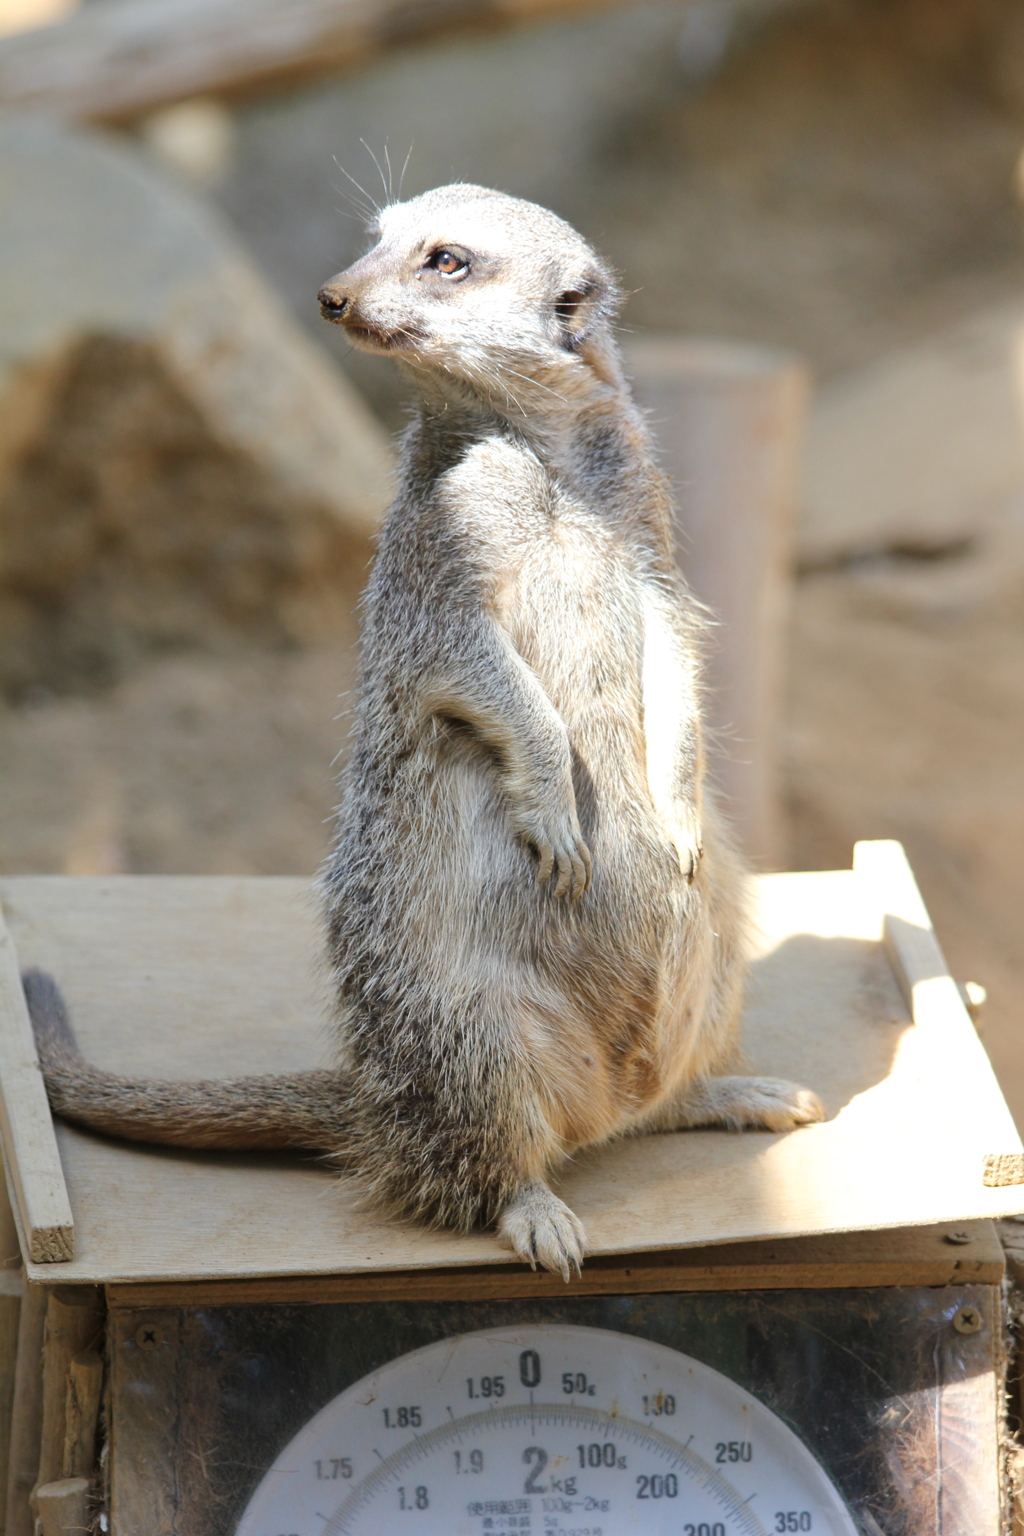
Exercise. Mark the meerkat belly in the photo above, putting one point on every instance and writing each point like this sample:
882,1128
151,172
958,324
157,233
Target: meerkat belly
577,991
609,661
606,655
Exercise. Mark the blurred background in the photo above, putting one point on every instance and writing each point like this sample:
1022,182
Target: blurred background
192,464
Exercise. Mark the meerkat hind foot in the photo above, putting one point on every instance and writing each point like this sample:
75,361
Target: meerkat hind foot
751,1103
541,1229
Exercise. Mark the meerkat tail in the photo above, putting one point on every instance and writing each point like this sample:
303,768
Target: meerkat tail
301,1109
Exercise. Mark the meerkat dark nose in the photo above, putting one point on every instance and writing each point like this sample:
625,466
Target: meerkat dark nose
334,302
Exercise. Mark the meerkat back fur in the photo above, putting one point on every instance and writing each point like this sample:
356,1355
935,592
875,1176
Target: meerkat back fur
535,916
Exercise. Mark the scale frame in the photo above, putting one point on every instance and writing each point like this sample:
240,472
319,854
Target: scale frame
896,1389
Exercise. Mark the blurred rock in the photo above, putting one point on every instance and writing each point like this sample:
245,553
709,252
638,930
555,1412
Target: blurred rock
178,462
922,451
910,729
195,138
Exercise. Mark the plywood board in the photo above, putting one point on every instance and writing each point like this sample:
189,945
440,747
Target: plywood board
183,977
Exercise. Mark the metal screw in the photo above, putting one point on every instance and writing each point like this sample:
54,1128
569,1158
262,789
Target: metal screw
967,1320
149,1336
959,1238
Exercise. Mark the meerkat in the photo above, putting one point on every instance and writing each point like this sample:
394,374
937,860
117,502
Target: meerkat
534,913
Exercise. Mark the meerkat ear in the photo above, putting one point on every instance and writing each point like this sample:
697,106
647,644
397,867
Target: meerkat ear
580,308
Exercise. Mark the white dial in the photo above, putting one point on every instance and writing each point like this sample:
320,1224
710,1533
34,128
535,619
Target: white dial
548,1430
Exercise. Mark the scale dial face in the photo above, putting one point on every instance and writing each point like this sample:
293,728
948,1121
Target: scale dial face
551,1430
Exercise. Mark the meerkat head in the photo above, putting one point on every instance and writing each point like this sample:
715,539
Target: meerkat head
472,286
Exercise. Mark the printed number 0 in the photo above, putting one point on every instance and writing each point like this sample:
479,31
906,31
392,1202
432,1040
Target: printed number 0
529,1368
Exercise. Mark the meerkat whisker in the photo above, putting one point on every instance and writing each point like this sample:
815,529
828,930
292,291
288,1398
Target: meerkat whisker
372,207
380,172
361,211
387,162
405,167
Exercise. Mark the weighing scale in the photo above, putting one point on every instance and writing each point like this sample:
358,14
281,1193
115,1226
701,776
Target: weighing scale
773,1333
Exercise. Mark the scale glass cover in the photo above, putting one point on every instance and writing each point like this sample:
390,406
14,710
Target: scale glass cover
566,1430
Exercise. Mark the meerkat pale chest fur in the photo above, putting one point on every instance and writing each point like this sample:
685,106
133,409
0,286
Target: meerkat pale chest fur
534,914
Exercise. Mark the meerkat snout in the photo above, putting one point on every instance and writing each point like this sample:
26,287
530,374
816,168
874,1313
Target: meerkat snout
333,302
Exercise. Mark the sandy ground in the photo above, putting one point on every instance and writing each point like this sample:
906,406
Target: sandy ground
877,208
191,765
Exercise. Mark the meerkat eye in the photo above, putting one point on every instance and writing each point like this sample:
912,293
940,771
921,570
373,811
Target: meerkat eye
450,263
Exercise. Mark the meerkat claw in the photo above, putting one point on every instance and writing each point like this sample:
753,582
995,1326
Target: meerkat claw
582,869
805,1107
542,1229
571,866
577,870
566,872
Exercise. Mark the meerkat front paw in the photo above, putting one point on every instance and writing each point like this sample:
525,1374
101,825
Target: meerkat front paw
541,1229
570,863
563,853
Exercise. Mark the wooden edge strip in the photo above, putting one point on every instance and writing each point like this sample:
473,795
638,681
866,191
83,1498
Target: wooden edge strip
32,1161
922,1257
907,933
933,997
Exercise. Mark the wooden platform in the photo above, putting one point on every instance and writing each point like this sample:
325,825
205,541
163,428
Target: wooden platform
182,977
